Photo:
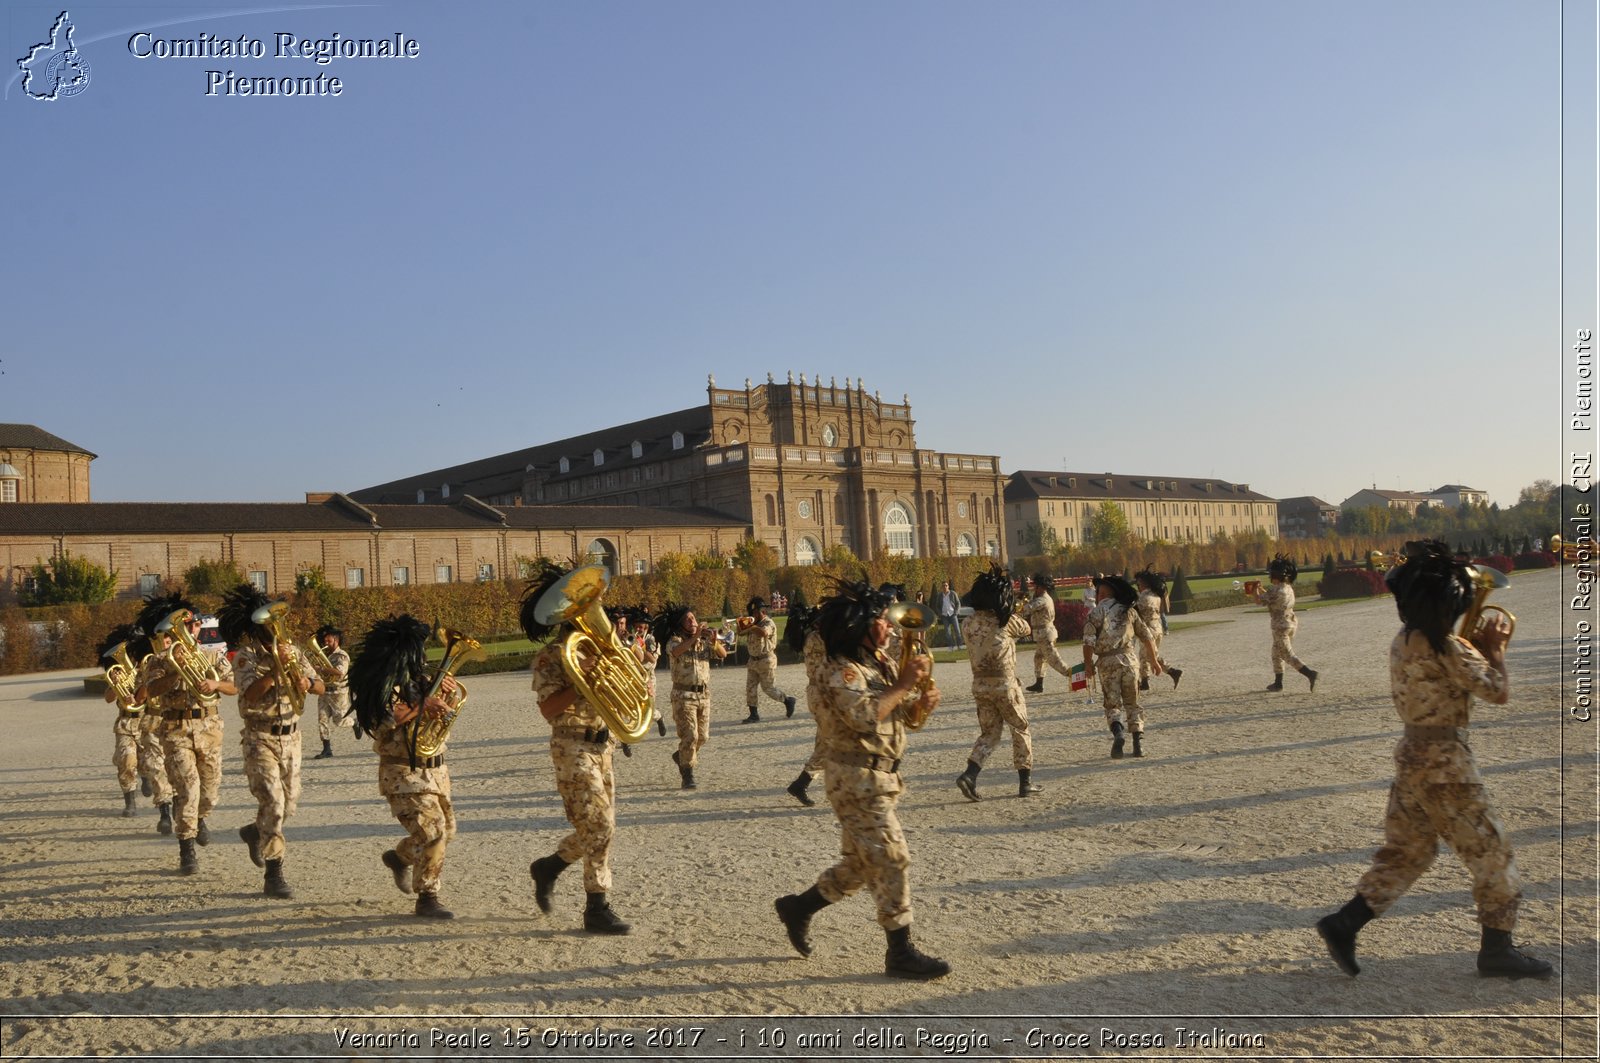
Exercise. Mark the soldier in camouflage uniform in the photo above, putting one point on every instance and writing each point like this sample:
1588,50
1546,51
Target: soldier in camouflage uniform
1278,597
649,651
800,633
125,728
1437,792
1041,616
154,783
580,747
191,728
1151,605
389,692
991,634
1109,652
761,671
333,704
862,707
690,650
273,680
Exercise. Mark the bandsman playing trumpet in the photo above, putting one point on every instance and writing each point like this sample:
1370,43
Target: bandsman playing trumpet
991,634
691,647
273,680
333,704
1278,597
761,672
389,691
120,651
580,747
179,674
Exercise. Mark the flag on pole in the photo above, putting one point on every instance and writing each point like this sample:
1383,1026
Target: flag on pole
1080,677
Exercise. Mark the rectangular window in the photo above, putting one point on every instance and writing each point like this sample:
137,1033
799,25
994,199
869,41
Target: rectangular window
442,573
258,580
148,584
8,490
355,577
638,566
485,573
400,575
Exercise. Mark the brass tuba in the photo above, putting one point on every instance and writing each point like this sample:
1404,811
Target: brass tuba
913,619
194,665
616,684
122,674
427,733
1485,581
274,618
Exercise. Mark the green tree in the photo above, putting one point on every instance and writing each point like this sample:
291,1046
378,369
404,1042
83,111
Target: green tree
754,555
314,593
67,579
1039,539
708,561
212,577
1108,526
673,569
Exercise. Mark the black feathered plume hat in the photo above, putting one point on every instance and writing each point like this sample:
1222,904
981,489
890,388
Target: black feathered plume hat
158,609
669,622
800,622
1431,590
844,617
138,642
1118,587
992,592
390,659
1283,567
1151,580
545,577
234,621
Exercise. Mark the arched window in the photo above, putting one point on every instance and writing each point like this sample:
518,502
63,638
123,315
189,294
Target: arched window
966,545
565,465
637,450
806,551
444,490
601,552
772,510
599,456
677,441
899,534
422,495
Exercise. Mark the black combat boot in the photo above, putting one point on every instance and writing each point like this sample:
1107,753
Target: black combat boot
788,707
661,725
428,907
164,824
1310,674
904,961
1498,958
1144,684
188,862
1138,743
128,799
274,884
1338,932
754,717
327,750
1025,783
545,871
1036,687
1117,740
797,789
1176,674
795,911
1277,682
202,834
399,869
598,918
251,836
967,782
144,786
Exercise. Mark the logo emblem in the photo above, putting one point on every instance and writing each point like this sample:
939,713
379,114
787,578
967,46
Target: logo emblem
55,68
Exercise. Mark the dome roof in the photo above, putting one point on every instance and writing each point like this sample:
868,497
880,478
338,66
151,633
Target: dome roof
9,471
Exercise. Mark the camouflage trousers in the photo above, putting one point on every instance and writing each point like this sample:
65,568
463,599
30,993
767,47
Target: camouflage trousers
330,711
1145,660
588,795
874,847
272,768
1419,814
1044,652
193,752
1000,705
1283,650
1119,690
762,675
691,715
125,751
430,823
152,761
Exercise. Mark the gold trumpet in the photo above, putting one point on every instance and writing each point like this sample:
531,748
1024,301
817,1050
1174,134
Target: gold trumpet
122,674
1485,581
274,618
428,733
193,664
913,619
616,683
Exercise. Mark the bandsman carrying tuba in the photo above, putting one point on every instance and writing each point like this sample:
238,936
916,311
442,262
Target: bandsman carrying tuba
120,652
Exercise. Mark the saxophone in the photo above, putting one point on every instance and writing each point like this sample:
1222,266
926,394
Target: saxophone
913,619
426,734
192,664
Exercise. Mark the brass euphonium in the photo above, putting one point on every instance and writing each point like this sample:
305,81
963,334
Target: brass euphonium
192,663
122,674
274,618
428,733
1485,581
913,619
319,660
616,684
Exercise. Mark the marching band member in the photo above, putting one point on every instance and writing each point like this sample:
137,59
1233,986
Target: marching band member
389,690
1437,791
691,648
1151,604
1109,652
649,654
991,634
125,728
273,680
761,672
1041,615
191,728
333,704
801,634
1278,597
580,747
861,710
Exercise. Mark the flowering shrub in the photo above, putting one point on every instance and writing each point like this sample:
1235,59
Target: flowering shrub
1354,583
1070,617
1535,559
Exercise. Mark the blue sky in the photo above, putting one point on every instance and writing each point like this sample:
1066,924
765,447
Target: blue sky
1310,247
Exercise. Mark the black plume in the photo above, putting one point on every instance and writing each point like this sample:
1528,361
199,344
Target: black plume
389,660
138,642
542,580
801,621
233,618
158,609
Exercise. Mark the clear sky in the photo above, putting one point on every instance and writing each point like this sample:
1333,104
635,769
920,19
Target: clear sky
1307,246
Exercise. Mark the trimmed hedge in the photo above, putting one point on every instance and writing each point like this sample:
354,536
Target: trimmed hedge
1354,583
1535,559
1499,561
1199,603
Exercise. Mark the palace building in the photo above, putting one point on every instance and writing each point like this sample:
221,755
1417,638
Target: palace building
1171,508
36,466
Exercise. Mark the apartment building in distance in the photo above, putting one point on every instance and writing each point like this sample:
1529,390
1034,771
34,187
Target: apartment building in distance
1167,507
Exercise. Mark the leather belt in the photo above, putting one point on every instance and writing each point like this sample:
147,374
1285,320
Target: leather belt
690,688
596,735
265,728
1427,733
435,761
763,657
132,714
854,758
185,714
